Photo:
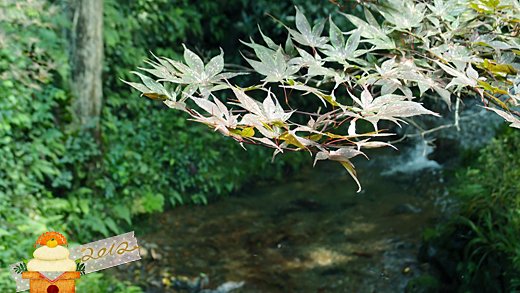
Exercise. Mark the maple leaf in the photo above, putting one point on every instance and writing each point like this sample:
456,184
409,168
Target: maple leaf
388,107
343,156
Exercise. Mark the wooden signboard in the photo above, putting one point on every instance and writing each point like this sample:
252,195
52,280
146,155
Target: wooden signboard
65,283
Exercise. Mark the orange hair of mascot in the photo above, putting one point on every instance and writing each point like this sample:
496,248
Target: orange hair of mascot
45,237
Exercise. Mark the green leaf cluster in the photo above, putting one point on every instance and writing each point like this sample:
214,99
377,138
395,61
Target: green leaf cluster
482,239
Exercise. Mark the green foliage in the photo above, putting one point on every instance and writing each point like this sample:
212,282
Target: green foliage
6,282
53,177
490,192
423,284
151,155
32,61
97,282
483,240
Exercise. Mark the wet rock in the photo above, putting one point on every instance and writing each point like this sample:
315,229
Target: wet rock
406,208
154,283
155,254
143,252
446,149
191,284
199,284
225,288
149,250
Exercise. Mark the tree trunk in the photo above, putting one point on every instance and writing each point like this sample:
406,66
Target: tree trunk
87,63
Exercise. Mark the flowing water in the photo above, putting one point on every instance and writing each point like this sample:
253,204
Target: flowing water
313,233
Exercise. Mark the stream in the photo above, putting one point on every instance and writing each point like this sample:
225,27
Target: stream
312,233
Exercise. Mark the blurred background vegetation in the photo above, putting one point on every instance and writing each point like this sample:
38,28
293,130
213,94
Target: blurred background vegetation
477,247
56,177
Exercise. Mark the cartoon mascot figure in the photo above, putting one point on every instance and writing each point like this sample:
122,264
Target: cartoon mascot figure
51,270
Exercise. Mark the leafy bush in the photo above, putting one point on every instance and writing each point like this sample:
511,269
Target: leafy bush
30,144
490,192
32,62
479,250
53,177
96,282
